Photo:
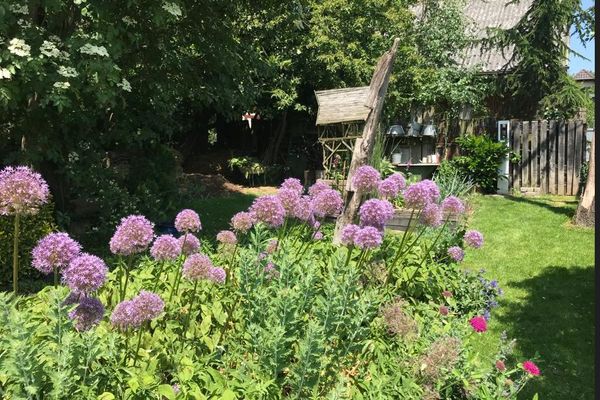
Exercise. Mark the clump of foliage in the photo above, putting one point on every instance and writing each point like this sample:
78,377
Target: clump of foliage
451,181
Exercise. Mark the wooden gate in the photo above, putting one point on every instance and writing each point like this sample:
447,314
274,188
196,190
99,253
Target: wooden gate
551,154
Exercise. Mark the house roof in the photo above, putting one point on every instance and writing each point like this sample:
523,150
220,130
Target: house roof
342,105
584,75
485,14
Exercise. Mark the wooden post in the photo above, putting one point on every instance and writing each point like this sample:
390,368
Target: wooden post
364,146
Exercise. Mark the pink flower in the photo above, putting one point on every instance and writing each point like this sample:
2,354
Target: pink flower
453,205
197,266
368,238
269,210
165,247
293,184
327,202
388,188
226,237
290,200
133,235
243,221
317,188
376,213
55,250
366,179
474,239
348,234
456,253
444,310
188,243
431,215
22,191
479,324
187,221
500,366
530,367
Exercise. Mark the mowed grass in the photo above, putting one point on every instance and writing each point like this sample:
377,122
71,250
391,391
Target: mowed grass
546,267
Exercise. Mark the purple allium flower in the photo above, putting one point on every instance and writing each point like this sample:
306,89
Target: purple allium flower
431,215
188,243
147,306
304,209
327,202
290,200
453,205
270,271
272,246
124,315
261,256
243,221
487,315
133,235
421,193
72,298
226,237
317,188
399,179
197,266
474,239
269,210
368,238
348,234
388,188
187,221
316,225
55,250
444,310
365,179
456,253
293,184
165,247
85,273
216,275
432,188
176,389
88,313
22,191
318,235
375,213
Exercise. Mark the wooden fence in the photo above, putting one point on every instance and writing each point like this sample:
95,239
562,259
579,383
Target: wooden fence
551,154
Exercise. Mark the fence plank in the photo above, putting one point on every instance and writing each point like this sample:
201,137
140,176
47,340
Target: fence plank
516,143
543,143
578,155
561,147
570,161
526,149
552,136
535,151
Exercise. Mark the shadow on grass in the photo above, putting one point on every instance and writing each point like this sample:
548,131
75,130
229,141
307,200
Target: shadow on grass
556,320
567,210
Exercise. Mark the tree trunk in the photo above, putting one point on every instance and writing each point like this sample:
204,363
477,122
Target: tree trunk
364,146
274,145
586,213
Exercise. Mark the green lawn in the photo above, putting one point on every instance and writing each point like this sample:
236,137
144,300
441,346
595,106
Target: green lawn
546,268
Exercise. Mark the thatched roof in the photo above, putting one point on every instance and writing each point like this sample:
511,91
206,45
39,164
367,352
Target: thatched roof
342,105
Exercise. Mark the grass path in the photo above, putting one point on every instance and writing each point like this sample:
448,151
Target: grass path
546,268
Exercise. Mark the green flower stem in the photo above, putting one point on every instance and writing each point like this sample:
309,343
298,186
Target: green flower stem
137,347
127,268
126,346
229,271
160,270
435,241
175,286
187,317
55,277
16,254
348,257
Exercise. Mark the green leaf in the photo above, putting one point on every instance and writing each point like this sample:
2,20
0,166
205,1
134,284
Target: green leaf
106,396
228,395
166,391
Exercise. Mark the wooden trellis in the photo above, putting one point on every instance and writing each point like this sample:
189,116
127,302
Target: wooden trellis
337,142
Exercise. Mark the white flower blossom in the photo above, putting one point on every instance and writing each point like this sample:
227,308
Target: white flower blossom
19,9
19,48
93,50
128,20
172,9
49,49
67,72
61,85
5,74
125,85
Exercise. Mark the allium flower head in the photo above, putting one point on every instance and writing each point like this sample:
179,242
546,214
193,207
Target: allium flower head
187,221
22,191
397,321
165,247
197,266
431,215
243,221
88,313
55,250
148,306
420,194
453,205
530,367
474,239
216,275
226,237
317,188
327,202
272,246
447,293
348,234
432,188
478,323
318,235
269,210
293,184
133,235
304,209
500,366
270,271
366,179
444,310
456,253
388,188
368,238
85,274
123,316
376,213
188,243
290,200
399,179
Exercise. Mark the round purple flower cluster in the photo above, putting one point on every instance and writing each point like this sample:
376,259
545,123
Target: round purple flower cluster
87,314
388,188
272,246
398,178
133,313
55,250
453,205
85,274
474,239
197,266
187,221
293,184
269,210
318,235
368,238
216,275
270,271
304,209
22,191
317,188
226,237
456,253
165,247
348,234
289,200
421,193
375,213
188,244
431,215
365,179
133,235
327,202
243,221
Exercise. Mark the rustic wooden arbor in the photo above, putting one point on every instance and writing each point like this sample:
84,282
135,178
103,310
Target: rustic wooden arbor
360,104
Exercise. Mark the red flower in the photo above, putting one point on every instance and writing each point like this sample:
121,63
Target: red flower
500,366
530,367
444,310
478,323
